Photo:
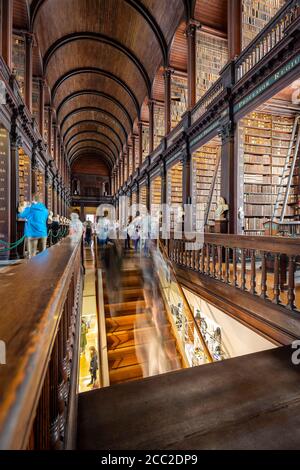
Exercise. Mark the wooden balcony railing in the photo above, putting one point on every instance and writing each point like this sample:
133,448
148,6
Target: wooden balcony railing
268,38
205,102
40,305
262,266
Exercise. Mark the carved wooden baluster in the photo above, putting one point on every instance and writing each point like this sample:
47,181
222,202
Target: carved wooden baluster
54,412
243,270
202,265
263,293
291,283
220,250
227,265
62,378
41,428
276,288
198,260
213,256
234,268
208,259
253,273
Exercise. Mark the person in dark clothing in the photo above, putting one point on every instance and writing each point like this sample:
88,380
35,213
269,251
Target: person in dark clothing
55,227
88,233
93,365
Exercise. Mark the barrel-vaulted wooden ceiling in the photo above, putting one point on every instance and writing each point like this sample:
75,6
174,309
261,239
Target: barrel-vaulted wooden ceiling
99,59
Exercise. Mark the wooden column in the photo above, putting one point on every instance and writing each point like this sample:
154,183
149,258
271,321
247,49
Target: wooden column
187,177
50,130
127,160
42,106
163,175
234,22
7,31
82,212
28,71
133,154
55,144
229,176
148,202
191,32
167,80
151,125
140,129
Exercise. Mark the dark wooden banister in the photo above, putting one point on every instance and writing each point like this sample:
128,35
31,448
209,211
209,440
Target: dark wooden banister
40,320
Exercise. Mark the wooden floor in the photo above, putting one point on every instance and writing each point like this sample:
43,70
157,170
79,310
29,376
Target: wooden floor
138,346
250,402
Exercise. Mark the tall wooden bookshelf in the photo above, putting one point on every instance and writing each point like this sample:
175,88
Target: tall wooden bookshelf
145,142
4,185
130,150
18,59
264,141
143,196
159,123
206,183
179,97
155,191
24,177
211,57
50,197
36,99
174,192
39,183
46,124
255,15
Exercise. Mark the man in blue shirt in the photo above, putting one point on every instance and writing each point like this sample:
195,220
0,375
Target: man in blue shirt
36,216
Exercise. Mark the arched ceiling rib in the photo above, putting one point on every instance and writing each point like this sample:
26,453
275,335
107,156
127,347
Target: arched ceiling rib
93,126
100,58
106,115
89,134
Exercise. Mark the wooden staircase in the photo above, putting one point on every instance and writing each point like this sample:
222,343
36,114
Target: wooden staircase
130,329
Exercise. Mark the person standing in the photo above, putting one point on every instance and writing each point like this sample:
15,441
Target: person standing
36,217
93,365
83,333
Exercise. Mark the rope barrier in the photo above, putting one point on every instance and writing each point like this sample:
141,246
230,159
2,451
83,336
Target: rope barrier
10,246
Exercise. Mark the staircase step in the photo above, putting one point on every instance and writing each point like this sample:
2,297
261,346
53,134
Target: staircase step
126,373
121,339
124,322
125,308
134,293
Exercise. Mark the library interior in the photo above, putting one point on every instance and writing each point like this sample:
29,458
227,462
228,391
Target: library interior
149,224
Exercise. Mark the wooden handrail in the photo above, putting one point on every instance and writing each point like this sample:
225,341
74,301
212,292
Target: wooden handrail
272,244
40,308
186,303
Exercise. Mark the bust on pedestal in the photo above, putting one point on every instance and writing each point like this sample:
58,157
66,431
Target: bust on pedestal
221,223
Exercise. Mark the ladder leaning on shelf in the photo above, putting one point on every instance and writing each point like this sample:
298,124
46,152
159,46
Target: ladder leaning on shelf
212,188
287,173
